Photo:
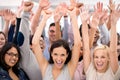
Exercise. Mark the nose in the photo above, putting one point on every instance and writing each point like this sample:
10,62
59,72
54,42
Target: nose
14,57
59,58
99,59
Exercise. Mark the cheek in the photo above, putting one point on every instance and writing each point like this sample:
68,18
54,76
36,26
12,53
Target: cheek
94,60
6,59
106,60
53,57
66,57
3,41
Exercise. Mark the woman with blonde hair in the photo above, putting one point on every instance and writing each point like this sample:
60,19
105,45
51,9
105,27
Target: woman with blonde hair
103,64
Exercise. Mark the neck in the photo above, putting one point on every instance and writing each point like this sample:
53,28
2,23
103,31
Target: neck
13,75
56,69
103,70
56,72
10,70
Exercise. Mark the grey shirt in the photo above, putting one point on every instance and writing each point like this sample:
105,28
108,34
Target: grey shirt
29,63
64,75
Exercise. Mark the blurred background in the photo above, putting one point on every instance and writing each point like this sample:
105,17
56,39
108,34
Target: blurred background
13,4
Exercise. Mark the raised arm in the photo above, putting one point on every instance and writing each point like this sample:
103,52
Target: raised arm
14,40
43,4
98,13
57,17
111,7
85,37
115,15
8,16
77,43
36,46
104,32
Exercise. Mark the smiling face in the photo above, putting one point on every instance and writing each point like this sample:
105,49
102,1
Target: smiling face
101,60
59,56
11,57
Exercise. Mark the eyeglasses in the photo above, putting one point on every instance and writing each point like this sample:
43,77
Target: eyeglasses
12,54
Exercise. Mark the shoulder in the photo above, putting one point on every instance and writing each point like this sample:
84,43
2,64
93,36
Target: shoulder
117,74
4,74
90,69
21,71
2,71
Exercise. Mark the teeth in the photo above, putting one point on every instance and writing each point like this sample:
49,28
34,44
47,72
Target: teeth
13,61
100,64
59,62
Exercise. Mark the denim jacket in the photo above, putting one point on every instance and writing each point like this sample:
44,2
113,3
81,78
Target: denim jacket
4,75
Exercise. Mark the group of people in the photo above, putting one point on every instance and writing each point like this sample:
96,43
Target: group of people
89,51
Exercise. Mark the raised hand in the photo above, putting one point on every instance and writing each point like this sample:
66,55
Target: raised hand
8,15
28,5
46,14
64,8
102,14
115,14
19,10
84,14
97,15
59,12
99,9
72,12
75,4
44,4
111,5
104,17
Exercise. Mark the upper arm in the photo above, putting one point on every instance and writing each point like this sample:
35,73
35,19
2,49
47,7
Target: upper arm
43,63
37,49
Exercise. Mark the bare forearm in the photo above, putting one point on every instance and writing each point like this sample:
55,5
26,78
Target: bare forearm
75,30
113,48
77,40
35,20
58,31
86,49
38,32
91,38
109,24
6,28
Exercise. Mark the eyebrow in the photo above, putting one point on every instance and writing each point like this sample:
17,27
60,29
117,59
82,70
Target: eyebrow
51,30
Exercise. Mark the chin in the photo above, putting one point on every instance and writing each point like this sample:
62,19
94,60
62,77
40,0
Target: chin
101,70
59,66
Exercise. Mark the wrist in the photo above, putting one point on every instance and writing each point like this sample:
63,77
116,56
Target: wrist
7,21
40,8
